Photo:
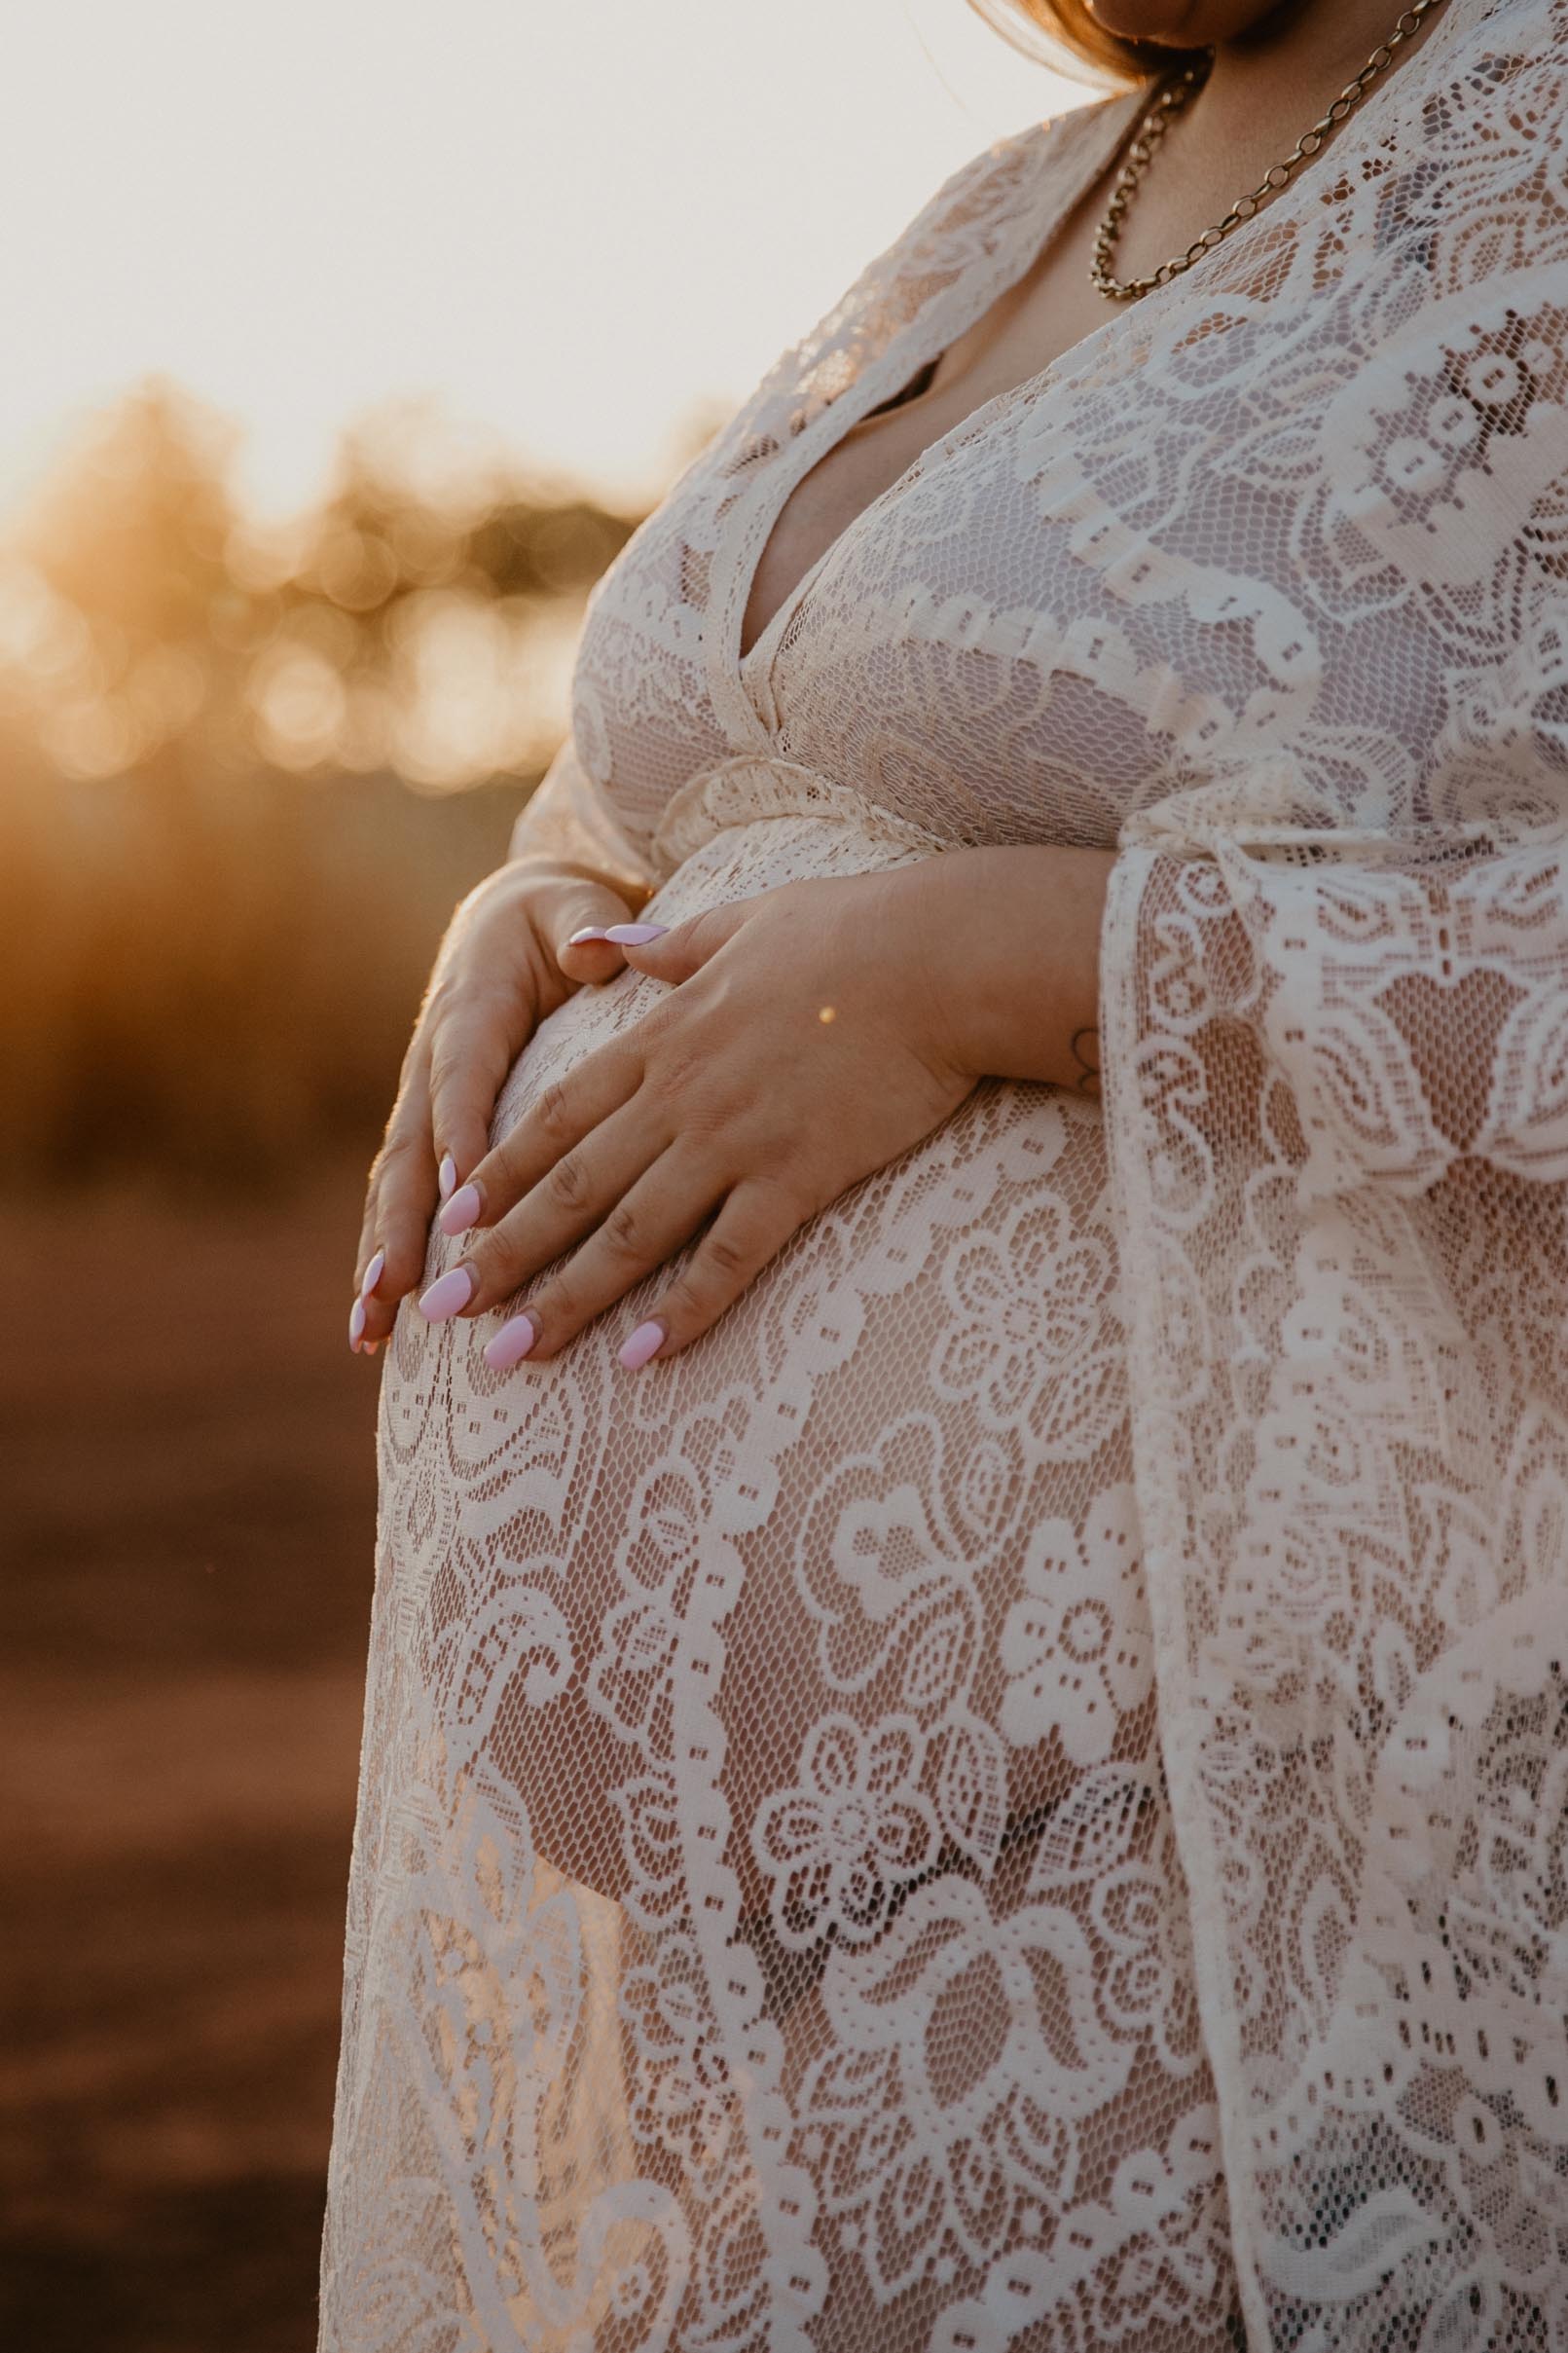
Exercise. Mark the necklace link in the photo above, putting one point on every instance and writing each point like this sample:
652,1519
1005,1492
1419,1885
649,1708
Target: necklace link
1167,104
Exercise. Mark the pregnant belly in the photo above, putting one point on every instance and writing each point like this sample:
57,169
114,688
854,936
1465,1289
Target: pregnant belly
865,1554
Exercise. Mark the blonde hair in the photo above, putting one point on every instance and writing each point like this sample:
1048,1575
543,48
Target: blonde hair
1064,34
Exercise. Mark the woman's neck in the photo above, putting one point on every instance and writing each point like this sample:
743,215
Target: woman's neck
1288,70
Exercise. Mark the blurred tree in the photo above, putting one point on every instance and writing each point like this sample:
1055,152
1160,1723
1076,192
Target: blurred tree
218,894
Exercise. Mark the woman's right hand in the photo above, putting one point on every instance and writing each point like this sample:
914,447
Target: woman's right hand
510,955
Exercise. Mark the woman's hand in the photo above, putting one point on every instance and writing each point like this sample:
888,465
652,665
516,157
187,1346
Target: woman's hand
817,1032
511,954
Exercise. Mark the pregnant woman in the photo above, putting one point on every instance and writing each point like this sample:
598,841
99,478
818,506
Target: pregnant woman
968,1688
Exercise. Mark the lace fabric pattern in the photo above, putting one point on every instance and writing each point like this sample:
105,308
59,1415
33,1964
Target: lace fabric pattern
1015,1795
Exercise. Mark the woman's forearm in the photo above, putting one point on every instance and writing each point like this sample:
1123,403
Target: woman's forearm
1015,943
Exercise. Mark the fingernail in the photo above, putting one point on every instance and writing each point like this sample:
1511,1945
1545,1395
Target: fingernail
356,1322
636,935
460,1211
511,1344
447,1294
368,1347
590,931
446,1175
372,1274
645,1341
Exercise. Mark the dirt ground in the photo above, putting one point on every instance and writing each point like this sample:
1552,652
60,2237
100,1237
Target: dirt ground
186,1524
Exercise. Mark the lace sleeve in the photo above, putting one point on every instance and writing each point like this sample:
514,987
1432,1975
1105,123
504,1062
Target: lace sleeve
567,820
1336,1092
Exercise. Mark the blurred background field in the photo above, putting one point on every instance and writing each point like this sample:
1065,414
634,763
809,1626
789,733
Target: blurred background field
344,352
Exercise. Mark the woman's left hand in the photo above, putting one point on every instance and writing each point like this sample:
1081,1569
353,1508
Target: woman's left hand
809,1041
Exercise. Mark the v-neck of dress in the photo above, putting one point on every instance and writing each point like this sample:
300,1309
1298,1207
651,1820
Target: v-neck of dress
740,683
740,680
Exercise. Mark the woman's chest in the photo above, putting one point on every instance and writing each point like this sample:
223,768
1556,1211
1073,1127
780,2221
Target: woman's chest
1050,307
1099,594
1162,559
1120,583
1031,324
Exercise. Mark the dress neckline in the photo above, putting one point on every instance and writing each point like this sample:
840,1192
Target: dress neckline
740,682
936,327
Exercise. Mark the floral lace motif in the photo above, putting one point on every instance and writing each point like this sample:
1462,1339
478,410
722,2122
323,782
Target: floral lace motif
1013,1796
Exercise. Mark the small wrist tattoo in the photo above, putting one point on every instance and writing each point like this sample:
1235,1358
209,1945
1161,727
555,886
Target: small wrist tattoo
1086,1054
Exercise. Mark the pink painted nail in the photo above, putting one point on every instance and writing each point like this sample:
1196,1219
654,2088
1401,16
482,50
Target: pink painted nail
645,1341
511,1344
636,935
357,1323
447,1294
446,1175
590,931
372,1274
368,1347
462,1211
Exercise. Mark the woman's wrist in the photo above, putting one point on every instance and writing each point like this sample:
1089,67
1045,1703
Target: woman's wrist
1014,938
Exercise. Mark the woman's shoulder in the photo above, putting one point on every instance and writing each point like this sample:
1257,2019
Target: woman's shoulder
964,216
1011,166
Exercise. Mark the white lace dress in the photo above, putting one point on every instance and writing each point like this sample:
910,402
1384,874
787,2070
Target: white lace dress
768,1923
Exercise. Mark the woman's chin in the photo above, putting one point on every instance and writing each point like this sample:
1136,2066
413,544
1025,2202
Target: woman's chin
1183,23
1144,19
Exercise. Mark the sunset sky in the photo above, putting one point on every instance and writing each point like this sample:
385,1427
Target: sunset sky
570,221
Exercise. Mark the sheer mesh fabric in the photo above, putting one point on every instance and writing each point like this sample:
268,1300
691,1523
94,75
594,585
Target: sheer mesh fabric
1015,1795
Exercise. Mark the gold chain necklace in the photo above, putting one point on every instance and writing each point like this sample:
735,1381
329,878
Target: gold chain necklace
1157,121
